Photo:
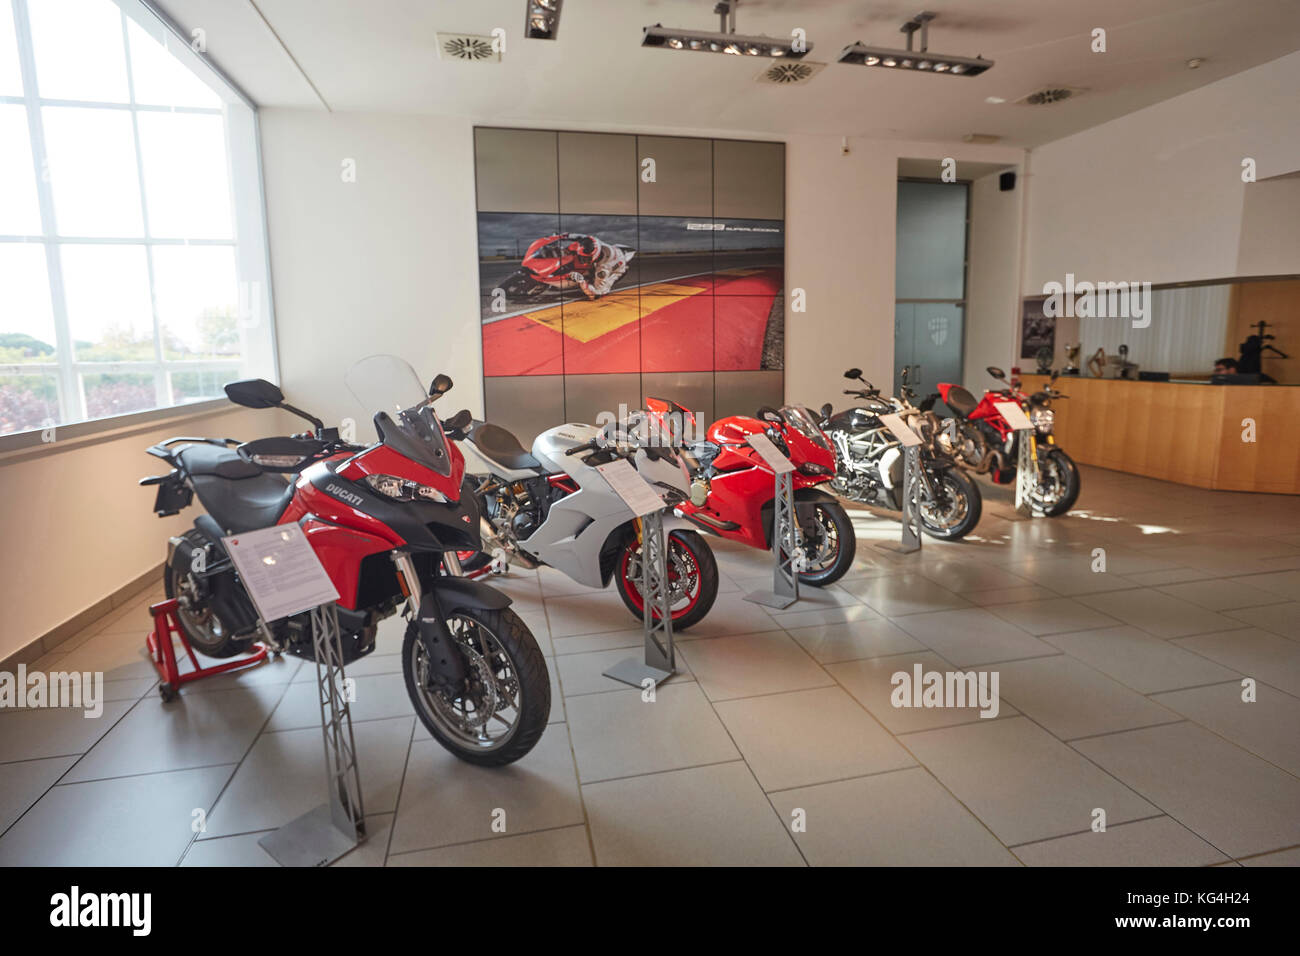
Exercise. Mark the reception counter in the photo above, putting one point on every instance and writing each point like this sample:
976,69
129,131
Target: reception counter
1188,433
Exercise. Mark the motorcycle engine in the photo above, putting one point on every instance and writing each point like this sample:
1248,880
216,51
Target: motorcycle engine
524,524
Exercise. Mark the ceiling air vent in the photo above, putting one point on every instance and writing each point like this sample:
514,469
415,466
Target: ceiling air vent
467,47
1054,94
789,72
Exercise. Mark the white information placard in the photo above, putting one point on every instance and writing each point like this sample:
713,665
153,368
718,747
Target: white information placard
631,487
902,431
1014,414
770,453
281,572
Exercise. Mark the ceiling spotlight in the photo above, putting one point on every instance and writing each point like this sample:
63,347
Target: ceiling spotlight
726,40
543,19
905,59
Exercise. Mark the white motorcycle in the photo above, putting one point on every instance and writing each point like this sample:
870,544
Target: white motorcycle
552,507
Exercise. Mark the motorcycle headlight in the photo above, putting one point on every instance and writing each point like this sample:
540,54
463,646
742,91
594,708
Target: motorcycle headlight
1042,419
401,489
812,468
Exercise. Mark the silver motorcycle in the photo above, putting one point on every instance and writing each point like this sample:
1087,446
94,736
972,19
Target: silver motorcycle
552,507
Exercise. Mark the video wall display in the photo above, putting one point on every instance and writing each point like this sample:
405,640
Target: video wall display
615,266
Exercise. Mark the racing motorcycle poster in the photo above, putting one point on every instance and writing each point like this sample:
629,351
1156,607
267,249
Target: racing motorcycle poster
627,296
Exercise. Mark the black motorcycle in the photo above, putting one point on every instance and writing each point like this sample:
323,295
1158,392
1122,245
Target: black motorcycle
869,462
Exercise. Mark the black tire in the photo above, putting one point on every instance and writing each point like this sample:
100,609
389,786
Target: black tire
1068,473
959,492
200,623
511,649
691,547
832,516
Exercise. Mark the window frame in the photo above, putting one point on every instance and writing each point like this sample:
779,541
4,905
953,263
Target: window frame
247,197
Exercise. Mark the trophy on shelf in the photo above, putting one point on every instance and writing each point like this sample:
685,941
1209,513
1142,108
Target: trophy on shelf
1072,359
1044,358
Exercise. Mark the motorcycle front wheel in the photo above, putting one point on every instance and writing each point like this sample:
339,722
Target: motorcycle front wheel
500,712
692,577
830,548
956,507
1058,487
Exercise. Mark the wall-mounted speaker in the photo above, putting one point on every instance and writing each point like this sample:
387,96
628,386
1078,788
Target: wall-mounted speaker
1007,182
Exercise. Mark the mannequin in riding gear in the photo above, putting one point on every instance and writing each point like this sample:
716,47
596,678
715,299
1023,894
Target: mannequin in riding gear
605,264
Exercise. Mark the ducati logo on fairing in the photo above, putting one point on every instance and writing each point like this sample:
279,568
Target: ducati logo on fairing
348,496
939,329
465,518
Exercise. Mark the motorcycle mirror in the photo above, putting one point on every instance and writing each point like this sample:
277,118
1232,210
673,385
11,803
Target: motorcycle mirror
768,414
254,393
826,410
853,373
996,372
441,386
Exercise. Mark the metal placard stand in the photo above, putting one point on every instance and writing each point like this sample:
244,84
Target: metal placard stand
1026,471
785,541
659,661
911,520
321,836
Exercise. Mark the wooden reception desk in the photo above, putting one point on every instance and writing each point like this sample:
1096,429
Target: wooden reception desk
1188,433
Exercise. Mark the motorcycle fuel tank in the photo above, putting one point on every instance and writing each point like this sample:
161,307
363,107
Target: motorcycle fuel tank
550,446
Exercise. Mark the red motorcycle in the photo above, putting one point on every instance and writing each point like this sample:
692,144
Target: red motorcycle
735,489
550,262
985,443
385,520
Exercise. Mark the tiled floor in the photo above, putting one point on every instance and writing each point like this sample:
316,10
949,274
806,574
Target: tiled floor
1121,698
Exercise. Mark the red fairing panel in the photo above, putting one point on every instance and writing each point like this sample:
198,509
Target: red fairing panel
340,550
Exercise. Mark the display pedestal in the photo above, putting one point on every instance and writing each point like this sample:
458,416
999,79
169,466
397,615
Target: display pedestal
785,549
910,540
1026,470
659,661
320,837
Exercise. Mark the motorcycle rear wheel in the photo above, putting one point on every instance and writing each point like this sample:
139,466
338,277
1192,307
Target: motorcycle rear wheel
508,679
961,510
202,627
688,552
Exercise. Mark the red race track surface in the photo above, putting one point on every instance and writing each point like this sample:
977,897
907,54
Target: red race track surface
706,322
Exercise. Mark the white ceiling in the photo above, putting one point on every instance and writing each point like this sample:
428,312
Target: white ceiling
380,55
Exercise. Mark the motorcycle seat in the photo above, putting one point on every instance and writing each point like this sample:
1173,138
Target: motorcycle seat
961,401
243,504
499,445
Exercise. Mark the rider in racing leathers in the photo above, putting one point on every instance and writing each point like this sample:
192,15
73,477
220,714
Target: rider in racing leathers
606,263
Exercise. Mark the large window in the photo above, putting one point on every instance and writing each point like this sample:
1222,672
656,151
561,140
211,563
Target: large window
132,244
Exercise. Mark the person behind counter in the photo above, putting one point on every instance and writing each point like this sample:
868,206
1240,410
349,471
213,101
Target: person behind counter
1225,366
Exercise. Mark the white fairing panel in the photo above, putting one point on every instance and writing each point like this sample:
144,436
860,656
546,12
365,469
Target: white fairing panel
576,528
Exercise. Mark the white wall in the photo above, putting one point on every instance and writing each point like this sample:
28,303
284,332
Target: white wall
1270,228
1157,195
993,281
389,263
76,526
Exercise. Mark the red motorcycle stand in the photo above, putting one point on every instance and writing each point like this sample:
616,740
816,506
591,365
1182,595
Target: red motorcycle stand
162,652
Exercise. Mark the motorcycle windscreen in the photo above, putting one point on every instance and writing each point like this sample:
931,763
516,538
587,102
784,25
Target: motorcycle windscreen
387,387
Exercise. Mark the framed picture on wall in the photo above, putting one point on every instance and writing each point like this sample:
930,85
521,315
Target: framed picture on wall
598,286
1037,331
